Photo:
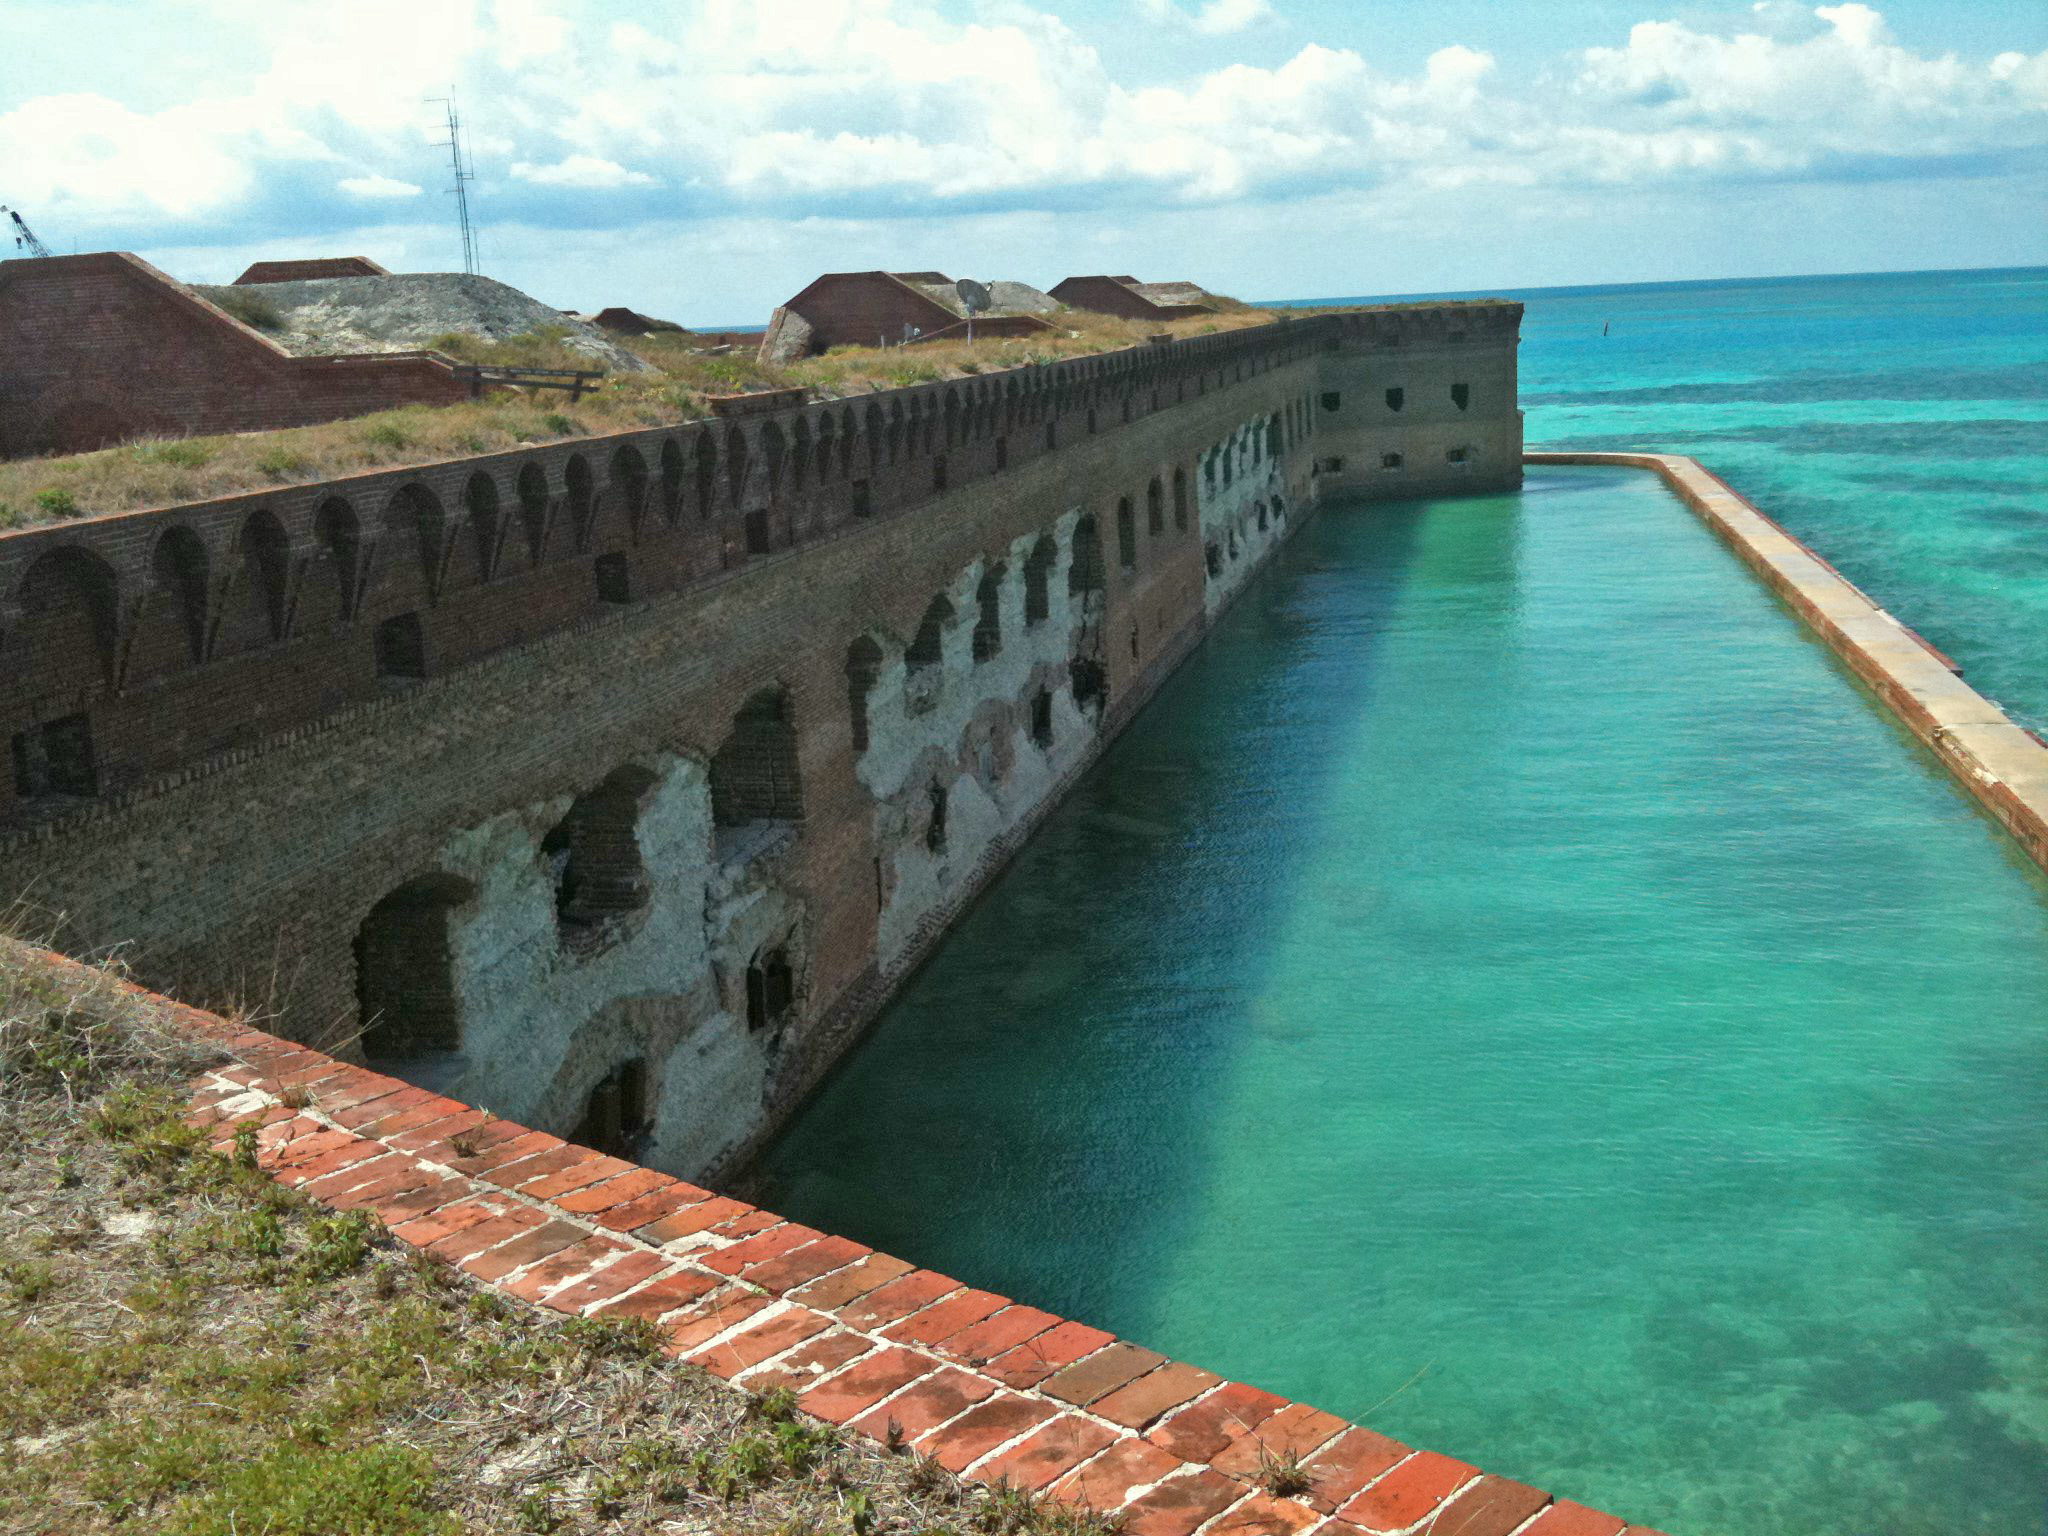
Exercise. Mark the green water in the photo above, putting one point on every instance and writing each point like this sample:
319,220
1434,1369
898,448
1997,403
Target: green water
1511,987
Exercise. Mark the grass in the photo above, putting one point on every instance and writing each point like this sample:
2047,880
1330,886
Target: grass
189,1348
167,472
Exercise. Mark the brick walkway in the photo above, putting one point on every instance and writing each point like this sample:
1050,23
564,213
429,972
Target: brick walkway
993,1388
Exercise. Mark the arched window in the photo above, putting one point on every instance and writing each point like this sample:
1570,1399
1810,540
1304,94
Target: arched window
863,666
179,567
533,508
629,483
1180,500
771,988
735,464
935,818
671,480
754,775
1085,573
1155,509
593,859
1037,571
1126,535
928,648
405,970
582,490
480,501
988,624
615,1115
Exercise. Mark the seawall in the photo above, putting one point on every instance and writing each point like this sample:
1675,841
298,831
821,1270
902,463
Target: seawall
2002,764
614,784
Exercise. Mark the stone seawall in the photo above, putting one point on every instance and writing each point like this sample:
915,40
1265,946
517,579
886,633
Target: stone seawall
2002,764
614,784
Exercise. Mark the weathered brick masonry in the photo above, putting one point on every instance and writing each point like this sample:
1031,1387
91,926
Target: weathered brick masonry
100,348
992,1388
614,784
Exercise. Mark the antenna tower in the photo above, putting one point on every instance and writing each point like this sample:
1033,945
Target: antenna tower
464,170
25,237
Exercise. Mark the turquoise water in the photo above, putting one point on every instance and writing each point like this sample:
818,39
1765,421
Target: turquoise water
1512,988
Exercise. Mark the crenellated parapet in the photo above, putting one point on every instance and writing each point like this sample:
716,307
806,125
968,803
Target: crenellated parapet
133,645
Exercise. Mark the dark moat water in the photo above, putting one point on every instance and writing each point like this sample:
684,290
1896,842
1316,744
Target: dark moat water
1512,988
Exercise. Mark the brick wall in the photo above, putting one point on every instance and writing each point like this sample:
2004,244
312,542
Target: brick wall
549,617
100,348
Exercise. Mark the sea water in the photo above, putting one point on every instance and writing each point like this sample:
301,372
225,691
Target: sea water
1512,988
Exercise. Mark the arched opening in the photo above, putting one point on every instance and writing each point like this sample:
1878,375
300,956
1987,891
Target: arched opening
863,667
771,988
1273,437
1037,573
405,970
414,520
179,567
671,481
707,474
1155,509
773,455
935,818
735,464
615,1117
629,482
1085,573
582,488
480,502
532,487
339,535
265,552
1041,719
593,860
1396,398
988,623
928,648
754,775
1180,501
1126,535
68,621
1461,395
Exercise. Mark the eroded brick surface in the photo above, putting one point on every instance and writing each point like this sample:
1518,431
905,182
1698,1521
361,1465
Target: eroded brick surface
990,1388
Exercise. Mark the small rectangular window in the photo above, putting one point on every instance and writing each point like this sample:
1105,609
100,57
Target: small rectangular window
1454,456
939,473
1331,400
1461,395
1002,453
1396,398
56,758
614,583
863,505
401,647
1390,461
757,532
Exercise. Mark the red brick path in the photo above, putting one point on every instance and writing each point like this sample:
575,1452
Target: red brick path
991,1387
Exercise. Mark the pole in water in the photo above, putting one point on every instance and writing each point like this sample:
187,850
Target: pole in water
1603,326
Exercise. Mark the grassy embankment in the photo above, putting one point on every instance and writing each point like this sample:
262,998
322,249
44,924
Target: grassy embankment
188,1348
167,471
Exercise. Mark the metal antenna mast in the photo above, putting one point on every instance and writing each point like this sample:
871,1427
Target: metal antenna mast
465,172
23,235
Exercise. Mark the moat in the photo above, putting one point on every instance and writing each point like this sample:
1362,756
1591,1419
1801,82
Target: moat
1512,988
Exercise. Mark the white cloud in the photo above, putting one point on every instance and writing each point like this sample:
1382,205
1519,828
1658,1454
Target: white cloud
377,186
883,107
588,171
1214,18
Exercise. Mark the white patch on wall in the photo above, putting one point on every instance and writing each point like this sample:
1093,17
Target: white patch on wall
1241,490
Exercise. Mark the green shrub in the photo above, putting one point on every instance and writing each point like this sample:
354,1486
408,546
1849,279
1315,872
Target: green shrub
57,503
281,463
180,453
387,434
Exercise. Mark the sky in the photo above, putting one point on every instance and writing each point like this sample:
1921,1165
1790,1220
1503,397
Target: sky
703,160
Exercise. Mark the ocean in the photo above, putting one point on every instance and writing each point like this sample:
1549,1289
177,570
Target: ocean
1531,1000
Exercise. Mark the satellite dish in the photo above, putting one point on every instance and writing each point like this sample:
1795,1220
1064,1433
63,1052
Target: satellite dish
973,295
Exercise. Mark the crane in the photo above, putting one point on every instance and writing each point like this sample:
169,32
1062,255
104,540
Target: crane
23,235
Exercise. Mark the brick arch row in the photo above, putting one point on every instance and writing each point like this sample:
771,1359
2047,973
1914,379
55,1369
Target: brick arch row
91,613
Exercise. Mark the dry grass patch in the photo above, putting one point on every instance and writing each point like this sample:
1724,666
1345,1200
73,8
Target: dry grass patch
167,472
189,1348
